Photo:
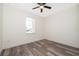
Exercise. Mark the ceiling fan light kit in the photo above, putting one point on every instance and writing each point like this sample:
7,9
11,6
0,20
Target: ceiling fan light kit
41,6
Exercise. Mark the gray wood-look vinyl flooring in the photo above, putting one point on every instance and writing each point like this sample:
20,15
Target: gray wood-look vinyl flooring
41,48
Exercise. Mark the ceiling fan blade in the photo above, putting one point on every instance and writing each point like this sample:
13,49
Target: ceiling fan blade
41,4
36,7
41,10
48,7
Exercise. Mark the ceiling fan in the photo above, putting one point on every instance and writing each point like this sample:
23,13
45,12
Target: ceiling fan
41,6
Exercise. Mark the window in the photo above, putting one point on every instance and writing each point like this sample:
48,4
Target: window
30,25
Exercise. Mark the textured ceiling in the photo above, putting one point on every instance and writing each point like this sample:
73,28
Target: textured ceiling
56,7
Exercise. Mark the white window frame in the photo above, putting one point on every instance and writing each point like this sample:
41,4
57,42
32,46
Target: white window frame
32,24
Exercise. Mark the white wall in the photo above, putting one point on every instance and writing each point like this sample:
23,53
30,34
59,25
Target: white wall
14,27
0,27
63,26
